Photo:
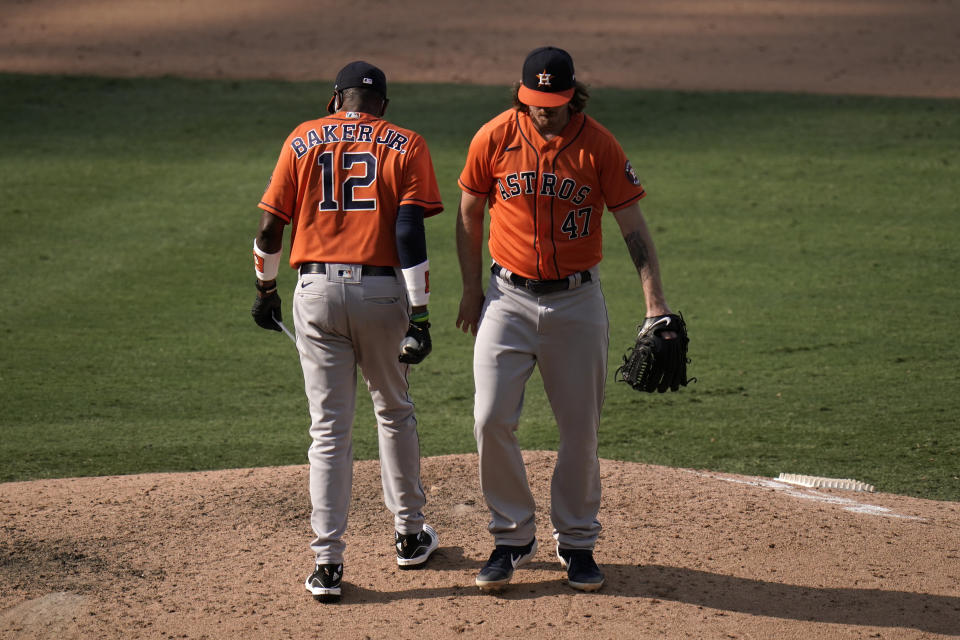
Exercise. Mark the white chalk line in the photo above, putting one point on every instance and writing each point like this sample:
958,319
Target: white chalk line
809,494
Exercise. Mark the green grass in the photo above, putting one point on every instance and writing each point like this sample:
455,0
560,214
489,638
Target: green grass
810,242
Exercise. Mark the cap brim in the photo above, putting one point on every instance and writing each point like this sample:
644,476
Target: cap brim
542,98
330,106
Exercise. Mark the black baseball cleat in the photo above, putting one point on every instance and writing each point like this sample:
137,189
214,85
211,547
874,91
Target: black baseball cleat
414,549
504,559
582,572
324,582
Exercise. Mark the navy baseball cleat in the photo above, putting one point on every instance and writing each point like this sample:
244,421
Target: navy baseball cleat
582,572
504,559
414,549
324,582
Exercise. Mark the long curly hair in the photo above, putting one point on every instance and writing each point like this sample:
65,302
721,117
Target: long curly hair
577,103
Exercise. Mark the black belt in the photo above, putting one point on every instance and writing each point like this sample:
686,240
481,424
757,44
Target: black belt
366,270
538,287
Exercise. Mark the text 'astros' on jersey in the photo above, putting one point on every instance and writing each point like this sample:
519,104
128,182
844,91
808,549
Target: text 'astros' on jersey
566,182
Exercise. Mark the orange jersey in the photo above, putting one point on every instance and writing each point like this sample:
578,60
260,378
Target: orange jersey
547,196
339,182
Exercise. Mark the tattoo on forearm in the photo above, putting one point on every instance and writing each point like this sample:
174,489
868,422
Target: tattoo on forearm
638,251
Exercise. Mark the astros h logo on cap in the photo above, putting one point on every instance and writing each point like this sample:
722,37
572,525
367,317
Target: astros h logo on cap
548,78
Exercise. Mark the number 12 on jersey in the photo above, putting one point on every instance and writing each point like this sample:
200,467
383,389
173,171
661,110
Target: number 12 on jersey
331,175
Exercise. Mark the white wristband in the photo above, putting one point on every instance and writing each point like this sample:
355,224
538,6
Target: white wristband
267,265
417,280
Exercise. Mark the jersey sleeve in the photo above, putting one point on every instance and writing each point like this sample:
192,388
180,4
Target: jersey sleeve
476,177
420,181
619,182
280,198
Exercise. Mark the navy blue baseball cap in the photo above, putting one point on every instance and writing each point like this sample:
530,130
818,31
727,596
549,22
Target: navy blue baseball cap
359,74
548,78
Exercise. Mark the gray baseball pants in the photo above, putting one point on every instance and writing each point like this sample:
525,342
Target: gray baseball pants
343,324
566,335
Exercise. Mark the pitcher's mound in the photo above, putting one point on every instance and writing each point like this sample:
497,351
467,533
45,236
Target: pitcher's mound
686,554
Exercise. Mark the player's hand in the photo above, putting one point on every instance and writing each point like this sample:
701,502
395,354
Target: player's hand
265,307
416,345
663,312
471,304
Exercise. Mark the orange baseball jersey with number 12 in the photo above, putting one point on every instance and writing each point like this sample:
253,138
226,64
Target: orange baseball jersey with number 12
340,180
565,182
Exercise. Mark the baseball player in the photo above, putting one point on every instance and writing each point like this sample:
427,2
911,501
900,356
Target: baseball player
355,190
547,171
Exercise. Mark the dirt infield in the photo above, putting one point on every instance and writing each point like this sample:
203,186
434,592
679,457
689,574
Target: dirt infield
882,47
687,554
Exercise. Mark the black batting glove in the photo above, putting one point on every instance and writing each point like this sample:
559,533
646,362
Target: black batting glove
266,307
416,345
